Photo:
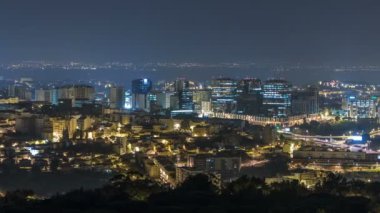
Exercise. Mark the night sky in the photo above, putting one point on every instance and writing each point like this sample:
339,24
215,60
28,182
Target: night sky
290,31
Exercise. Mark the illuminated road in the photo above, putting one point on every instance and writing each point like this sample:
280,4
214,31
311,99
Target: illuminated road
254,163
333,141
263,121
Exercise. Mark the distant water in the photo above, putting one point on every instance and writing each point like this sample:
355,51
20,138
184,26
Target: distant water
295,75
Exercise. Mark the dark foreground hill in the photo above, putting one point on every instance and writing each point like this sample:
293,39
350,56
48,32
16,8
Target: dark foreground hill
136,194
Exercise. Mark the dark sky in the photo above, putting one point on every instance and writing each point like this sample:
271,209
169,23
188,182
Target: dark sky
305,31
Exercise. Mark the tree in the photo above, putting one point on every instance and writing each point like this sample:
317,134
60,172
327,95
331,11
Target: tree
334,184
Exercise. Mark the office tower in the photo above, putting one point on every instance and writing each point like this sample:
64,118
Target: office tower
141,86
276,96
128,100
154,106
140,93
186,100
48,95
248,86
224,95
185,94
249,100
174,102
249,104
20,91
201,96
75,95
305,101
181,84
115,96
360,107
163,99
76,92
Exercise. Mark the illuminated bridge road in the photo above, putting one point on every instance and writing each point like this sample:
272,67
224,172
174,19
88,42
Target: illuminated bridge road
374,133
332,141
263,121
341,137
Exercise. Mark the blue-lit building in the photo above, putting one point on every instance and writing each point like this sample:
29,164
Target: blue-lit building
276,97
186,100
140,94
185,94
141,86
128,100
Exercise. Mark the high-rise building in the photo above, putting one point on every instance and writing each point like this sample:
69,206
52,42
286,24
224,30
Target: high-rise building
224,95
248,86
115,96
276,96
174,102
140,102
249,100
181,84
76,93
21,91
48,95
201,96
185,94
154,106
186,100
141,86
360,107
249,104
305,101
140,94
128,100
163,99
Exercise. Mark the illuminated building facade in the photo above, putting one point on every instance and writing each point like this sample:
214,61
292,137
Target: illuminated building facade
276,96
185,94
201,97
224,95
141,86
128,100
360,107
248,86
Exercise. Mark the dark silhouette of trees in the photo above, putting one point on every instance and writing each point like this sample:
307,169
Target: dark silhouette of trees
133,192
135,185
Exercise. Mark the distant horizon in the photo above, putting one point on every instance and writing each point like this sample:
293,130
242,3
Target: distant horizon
298,75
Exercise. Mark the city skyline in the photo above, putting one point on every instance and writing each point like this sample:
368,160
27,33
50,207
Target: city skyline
189,106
